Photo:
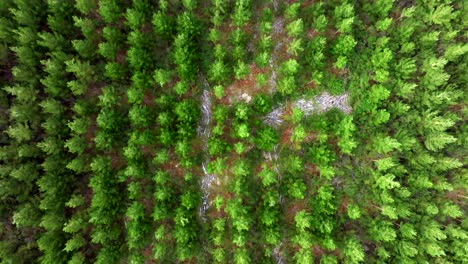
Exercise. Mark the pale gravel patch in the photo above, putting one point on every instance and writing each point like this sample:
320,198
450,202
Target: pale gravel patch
274,118
203,131
326,102
316,105
275,5
277,254
246,97
272,156
278,28
278,25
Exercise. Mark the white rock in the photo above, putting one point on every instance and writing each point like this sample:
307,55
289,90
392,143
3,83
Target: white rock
319,104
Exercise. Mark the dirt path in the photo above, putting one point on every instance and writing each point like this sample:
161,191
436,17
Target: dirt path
272,156
203,131
278,28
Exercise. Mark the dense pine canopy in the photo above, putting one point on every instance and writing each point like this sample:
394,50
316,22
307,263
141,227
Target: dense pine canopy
233,131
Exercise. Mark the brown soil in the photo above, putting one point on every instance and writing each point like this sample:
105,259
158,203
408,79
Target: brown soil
148,98
117,162
344,205
311,169
288,109
214,214
456,107
148,253
173,167
457,196
197,145
294,207
147,28
372,209
337,72
307,3
91,132
6,75
247,85
258,169
124,100
285,137
311,33
121,23
249,28
333,142
224,30
120,56
331,33
311,85
148,203
317,251
148,150
311,136
94,90
87,192
283,53
94,14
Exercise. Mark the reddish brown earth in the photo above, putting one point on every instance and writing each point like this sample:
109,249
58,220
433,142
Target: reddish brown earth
91,132
285,137
247,85
293,208
121,56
